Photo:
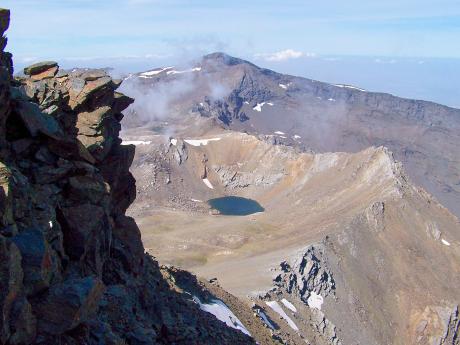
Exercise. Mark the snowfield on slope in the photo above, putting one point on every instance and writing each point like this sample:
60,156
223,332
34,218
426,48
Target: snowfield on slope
223,313
349,87
136,142
259,106
208,183
198,142
289,305
277,309
195,69
154,72
315,301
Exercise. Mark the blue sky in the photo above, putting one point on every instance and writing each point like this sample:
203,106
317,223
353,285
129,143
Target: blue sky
318,39
116,28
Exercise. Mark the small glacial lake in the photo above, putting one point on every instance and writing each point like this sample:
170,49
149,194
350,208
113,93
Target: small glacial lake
235,206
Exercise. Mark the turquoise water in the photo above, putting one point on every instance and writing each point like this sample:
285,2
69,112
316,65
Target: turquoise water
235,206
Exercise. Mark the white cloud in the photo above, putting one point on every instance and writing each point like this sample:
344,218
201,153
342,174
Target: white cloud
284,55
385,61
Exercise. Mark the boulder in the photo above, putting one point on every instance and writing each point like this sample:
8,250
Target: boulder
81,91
88,188
36,259
49,73
121,102
23,322
40,67
79,224
69,304
37,122
89,123
93,74
11,276
127,232
71,149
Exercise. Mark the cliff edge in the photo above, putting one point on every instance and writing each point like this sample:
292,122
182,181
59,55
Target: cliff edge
72,264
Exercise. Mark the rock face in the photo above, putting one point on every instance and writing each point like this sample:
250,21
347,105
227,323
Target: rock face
72,264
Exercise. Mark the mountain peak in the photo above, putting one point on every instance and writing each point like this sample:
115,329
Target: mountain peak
225,59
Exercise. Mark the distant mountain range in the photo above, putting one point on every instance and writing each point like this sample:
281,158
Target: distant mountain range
319,116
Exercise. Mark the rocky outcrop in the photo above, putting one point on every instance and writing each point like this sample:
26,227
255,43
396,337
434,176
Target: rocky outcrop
72,264
308,279
309,274
231,178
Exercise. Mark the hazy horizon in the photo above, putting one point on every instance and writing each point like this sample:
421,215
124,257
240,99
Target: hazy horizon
401,47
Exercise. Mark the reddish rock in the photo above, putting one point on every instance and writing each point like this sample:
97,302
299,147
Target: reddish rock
40,67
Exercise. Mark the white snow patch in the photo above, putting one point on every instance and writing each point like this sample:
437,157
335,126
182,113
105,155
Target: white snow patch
349,87
153,72
315,300
283,86
246,102
173,141
331,99
135,142
297,136
223,313
445,242
277,308
208,183
51,224
195,69
289,305
198,142
279,132
259,106
196,200
270,104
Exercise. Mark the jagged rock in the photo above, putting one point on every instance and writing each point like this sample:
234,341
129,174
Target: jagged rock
11,276
36,260
89,123
121,102
64,188
232,178
310,274
23,322
180,151
82,90
81,224
325,327
129,235
4,22
40,67
69,304
49,73
37,122
375,215
6,212
88,188
70,149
